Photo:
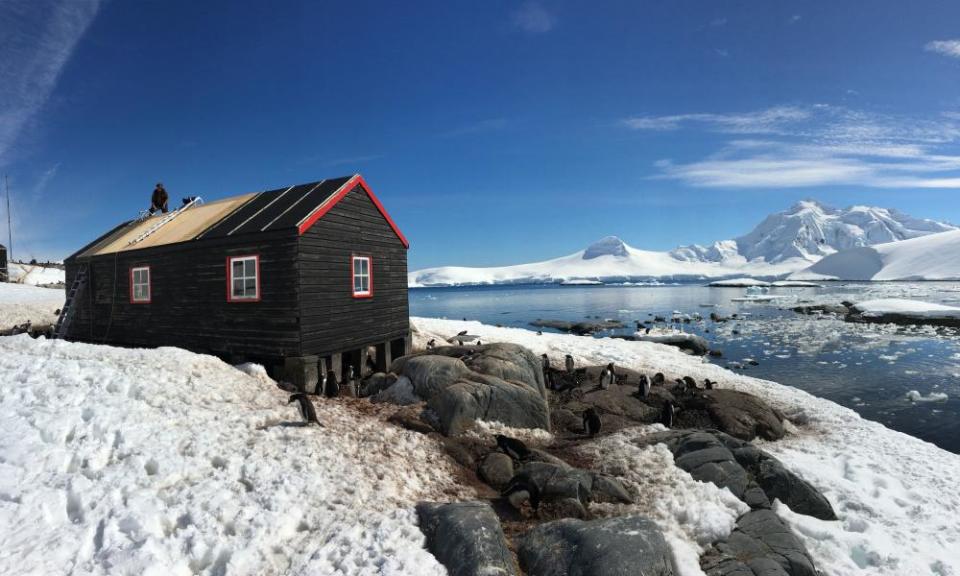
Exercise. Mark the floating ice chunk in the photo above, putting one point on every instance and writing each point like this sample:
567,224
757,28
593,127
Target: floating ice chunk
915,396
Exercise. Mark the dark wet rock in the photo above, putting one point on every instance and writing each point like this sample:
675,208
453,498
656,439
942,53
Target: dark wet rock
838,309
697,345
466,538
581,328
607,547
463,384
716,354
760,545
857,315
739,414
749,473
558,480
376,383
496,469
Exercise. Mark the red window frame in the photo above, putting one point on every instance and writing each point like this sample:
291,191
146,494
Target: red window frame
256,267
353,289
149,285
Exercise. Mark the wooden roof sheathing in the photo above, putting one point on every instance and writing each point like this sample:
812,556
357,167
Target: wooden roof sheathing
186,226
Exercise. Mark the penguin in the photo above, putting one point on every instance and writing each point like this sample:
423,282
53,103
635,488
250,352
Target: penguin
521,490
591,422
512,447
611,375
332,386
539,332
432,344
568,360
307,412
644,388
604,379
708,384
479,343
658,379
690,382
647,331
547,371
666,415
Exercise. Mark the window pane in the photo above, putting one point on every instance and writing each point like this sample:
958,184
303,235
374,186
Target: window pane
365,283
237,268
250,287
250,268
238,288
365,266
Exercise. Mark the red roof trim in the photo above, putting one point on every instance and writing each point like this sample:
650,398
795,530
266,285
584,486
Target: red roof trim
349,185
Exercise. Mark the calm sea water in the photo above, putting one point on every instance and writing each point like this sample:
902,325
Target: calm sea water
869,368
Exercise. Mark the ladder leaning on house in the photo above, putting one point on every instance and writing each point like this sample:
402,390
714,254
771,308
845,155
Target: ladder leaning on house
166,219
66,313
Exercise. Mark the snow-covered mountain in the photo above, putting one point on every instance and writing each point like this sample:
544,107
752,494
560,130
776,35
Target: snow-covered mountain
932,257
810,230
783,243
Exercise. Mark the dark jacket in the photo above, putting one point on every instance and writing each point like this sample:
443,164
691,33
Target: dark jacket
159,198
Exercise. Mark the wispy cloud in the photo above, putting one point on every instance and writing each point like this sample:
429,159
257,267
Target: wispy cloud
718,22
532,17
818,146
37,39
771,120
949,48
794,19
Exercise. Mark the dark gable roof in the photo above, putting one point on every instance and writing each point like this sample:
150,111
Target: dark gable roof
298,206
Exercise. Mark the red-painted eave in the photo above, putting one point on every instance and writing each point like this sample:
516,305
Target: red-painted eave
349,185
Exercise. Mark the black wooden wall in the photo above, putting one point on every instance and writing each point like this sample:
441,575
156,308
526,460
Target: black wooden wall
189,307
332,319
4,273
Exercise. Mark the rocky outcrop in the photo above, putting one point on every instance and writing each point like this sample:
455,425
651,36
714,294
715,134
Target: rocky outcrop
466,538
496,469
580,328
739,414
463,384
608,547
838,309
749,473
760,545
692,343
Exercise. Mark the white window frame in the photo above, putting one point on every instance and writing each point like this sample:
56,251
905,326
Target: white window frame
245,296
135,284
354,276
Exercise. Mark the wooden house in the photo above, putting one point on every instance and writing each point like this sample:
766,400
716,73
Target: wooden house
303,279
4,271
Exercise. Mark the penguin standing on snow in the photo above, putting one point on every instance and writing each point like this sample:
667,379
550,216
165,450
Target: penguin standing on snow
666,415
432,344
644,387
307,412
708,384
591,422
568,361
690,382
332,388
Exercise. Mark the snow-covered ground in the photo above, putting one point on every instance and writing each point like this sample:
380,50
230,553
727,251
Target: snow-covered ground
908,308
933,257
20,303
35,275
897,497
165,462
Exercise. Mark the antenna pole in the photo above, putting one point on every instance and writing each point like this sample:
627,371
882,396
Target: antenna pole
6,181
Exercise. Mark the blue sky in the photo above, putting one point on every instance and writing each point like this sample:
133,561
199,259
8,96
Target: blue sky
494,132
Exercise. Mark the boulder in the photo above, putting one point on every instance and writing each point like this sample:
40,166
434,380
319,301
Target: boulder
749,473
580,328
760,545
557,480
739,414
496,469
462,384
607,547
466,538
376,383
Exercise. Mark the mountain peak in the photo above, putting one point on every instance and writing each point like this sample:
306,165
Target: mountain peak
809,204
609,246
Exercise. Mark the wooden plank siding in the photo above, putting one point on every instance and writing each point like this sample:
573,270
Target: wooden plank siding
332,319
189,307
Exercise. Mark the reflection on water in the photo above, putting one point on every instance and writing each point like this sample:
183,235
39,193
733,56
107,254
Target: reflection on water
869,368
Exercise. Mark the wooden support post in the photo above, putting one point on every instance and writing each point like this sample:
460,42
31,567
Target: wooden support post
336,365
301,371
383,357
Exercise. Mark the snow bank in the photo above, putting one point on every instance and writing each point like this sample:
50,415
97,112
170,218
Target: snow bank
20,303
795,284
165,462
909,308
35,275
933,257
896,496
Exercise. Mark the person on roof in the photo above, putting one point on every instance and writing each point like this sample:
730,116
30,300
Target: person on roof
158,202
